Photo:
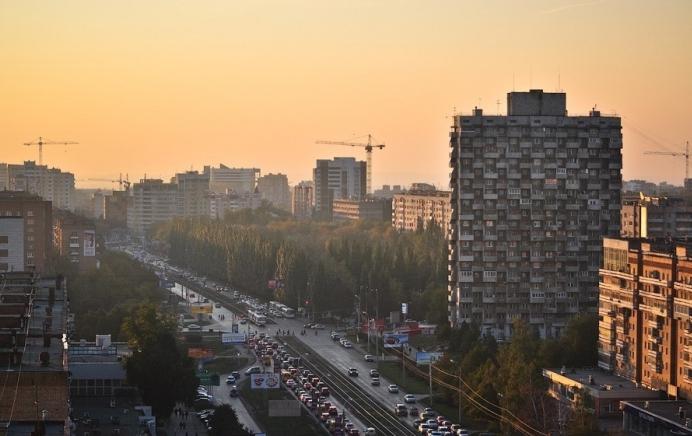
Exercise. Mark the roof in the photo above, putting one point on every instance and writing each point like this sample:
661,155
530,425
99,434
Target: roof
601,385
665,410
97,371
48,389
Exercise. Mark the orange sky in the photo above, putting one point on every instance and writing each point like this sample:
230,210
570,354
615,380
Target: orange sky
157,87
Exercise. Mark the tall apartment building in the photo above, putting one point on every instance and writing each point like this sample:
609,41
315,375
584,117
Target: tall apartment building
421,205
239,180
152,201
336,179
75,239
115,208
655,217
533,193
302,200
37,219
645,308
274,189
4,177
193,188
51,184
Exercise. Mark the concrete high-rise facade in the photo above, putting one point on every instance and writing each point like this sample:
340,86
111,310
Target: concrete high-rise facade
533,194
274,189
37,216
11,243
51,184
115,208
655,217
75,239
152,201
193,188
420,206
342,178
302,200
239,180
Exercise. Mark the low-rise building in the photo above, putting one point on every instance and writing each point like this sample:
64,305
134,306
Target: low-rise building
657,418
601,389
368,209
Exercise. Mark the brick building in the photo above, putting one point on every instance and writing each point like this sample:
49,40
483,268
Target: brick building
37,220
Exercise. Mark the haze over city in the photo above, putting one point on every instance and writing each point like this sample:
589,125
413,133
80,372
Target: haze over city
158,87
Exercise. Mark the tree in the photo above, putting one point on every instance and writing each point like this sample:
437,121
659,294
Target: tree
224,422
163,374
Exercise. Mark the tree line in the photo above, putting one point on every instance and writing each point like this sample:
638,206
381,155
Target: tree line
322,266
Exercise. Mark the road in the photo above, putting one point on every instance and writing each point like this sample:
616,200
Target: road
339,357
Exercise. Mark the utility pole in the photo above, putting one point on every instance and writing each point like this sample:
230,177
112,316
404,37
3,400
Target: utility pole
459,379
377,317
430,381
358,319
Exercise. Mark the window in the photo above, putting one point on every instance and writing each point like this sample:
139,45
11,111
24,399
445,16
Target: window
4,239
3,253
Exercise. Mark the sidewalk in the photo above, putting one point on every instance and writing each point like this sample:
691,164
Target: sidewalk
192,425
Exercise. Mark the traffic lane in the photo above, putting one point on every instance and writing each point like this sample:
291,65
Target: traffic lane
244,415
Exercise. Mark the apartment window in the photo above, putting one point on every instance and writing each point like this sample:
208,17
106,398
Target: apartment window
4,239
29,213
466,274
4,253
489,274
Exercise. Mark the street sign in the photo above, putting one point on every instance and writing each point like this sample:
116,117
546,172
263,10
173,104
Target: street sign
232,338
425,358
209,379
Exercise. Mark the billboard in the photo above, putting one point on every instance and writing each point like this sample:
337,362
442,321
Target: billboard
425,358
201,308
200,353
284,408
89,243
404,308
266,380
232,338
394,340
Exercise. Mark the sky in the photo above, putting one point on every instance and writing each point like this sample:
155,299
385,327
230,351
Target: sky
162,86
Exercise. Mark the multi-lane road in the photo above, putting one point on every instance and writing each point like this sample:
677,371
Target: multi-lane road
371,406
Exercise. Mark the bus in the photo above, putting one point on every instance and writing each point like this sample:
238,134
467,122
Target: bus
257,318
288,312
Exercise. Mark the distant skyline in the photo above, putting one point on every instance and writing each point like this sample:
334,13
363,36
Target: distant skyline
158,87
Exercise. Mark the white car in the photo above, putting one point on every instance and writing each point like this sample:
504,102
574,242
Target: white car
394,389
318,326
409,398
347,344
369,358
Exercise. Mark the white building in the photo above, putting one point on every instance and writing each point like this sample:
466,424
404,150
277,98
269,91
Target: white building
342,178
219,204
152,201
11,243
51,184
239,180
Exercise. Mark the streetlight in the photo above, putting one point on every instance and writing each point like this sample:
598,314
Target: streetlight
356,296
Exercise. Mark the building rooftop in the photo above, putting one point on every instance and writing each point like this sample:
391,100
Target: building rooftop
104,415
666,410
599,383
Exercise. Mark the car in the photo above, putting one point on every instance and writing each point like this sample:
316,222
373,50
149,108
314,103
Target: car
400,410
413,411
348,344
374,373
353,372
394,389
318,326
308,325
234,391
235,374
230,380
253,370
369,431
463,432
427,415
375,382
369,358
409,398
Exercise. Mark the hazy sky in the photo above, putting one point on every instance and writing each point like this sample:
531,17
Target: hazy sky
157,87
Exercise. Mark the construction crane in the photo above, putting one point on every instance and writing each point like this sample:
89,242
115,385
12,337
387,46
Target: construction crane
369,146
124,183
42,141
685,154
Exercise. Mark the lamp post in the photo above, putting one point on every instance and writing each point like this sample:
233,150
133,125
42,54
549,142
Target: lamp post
357,297
377,317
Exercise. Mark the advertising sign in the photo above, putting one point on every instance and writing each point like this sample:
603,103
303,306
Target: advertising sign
425,358
89,243
265,381
394,340
201,308
232,338
200,353
404,308
284,408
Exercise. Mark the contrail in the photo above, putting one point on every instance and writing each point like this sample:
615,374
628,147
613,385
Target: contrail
570,6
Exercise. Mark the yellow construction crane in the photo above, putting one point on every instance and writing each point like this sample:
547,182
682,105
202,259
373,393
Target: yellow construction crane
685,154
369,146
43,141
